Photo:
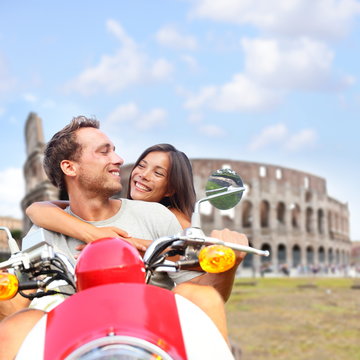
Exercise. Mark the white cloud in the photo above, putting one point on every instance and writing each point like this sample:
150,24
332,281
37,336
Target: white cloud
271,134
128,66
273,68
205,95
117,30
123,113
170,37
12,190
190,61
303,139
243,94
292,53
154,118
130,113
30,98
195,118
321,18
279,135
48,103
161,70
240,94
43,103
298,64
212,130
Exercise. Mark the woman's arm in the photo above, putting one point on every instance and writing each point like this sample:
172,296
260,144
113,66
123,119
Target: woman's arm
181,217
9,307
51,216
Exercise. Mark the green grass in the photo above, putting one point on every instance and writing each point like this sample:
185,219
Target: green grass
295,318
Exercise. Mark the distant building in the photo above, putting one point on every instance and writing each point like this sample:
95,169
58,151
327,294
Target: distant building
355,254
38,187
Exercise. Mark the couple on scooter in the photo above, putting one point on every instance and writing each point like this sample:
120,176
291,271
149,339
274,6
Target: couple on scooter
83,160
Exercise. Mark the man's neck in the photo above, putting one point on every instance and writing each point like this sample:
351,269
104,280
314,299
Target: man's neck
95,209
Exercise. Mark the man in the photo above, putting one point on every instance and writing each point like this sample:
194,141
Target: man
82,159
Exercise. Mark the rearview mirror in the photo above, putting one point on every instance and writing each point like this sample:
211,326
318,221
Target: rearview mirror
223,181
223,190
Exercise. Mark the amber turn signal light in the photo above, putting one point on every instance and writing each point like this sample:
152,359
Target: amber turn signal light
216,258
9,285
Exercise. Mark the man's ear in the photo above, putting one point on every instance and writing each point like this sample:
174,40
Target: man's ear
68,167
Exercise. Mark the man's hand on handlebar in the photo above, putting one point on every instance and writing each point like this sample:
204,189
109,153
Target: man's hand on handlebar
232,237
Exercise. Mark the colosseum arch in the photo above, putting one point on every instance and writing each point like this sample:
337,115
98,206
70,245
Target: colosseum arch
296,256
264,214
336,223
310,255
295,215
266,247
309,219
337,256
228,218
321,255
331,259
330,224
247,216
320,221
280,213
282,254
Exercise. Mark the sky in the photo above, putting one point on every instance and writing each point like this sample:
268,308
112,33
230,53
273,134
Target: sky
273,82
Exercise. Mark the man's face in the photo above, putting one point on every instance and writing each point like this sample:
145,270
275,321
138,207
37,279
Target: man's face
98,169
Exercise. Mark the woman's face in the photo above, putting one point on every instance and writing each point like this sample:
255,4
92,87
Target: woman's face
149,179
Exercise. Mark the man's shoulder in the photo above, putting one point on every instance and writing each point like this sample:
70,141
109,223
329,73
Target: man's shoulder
140,205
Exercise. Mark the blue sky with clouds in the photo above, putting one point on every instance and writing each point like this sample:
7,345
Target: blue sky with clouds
266,81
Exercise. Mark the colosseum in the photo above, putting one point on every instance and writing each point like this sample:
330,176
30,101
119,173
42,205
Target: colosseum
283,210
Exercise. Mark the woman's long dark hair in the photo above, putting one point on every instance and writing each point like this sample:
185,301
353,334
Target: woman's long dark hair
180,179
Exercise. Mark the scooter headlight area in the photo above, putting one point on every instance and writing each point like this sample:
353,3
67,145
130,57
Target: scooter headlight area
119,347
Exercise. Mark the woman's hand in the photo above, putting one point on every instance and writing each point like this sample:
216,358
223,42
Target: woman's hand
108,231
112,231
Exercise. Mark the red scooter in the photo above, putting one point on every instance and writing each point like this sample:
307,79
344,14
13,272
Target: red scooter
115,313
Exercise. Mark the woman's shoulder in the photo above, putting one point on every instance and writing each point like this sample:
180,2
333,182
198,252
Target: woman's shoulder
181,217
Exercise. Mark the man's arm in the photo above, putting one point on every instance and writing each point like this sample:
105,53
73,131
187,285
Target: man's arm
223,282
8,307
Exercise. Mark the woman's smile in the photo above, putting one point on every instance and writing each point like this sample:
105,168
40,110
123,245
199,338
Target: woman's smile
141,187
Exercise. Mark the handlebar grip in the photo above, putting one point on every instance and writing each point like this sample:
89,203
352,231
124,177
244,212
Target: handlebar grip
244,248
187,264
29,285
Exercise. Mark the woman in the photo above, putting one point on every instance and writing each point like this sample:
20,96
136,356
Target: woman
163,174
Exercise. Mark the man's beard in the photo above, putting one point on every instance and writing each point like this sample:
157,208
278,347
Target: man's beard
100,185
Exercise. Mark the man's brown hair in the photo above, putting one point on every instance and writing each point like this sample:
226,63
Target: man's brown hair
63,146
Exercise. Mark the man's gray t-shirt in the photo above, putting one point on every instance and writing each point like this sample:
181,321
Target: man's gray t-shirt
140,219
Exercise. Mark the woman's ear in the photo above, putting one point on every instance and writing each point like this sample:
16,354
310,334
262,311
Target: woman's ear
68,167
169,193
